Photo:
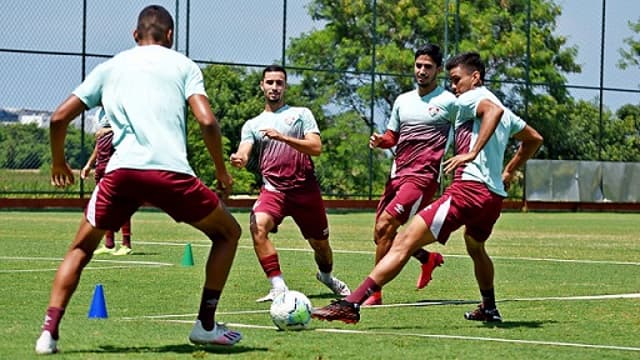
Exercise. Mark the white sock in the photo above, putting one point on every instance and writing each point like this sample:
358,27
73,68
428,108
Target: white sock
277,282
326,277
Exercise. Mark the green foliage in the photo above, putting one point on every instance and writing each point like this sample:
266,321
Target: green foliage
631,54
343,167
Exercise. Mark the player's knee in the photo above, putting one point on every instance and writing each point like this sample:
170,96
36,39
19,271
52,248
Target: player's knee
384,232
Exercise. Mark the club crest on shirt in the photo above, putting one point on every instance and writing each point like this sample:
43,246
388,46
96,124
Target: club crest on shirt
433,110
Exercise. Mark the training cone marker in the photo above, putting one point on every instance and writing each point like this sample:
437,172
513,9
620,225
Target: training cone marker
98,309
187,257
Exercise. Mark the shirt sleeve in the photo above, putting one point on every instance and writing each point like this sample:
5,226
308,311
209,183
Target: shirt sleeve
309,123
194,84
246,135
90,91
394,119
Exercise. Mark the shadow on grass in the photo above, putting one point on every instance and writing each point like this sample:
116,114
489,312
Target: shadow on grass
322,296
176,348
518,324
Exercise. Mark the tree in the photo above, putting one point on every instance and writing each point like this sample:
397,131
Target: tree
341,53
631,54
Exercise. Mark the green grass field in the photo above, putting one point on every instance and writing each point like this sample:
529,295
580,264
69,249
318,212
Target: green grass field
568,286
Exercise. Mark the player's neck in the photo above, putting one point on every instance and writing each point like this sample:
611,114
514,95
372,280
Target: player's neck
424,90
273,107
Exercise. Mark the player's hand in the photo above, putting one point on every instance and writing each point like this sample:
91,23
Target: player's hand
84,173
61,175
507,177
456,161
224,184
375,140
272,134
238,160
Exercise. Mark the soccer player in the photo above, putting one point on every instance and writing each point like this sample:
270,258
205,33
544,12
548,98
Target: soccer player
100,156
419,127
144,92
283,138
474,199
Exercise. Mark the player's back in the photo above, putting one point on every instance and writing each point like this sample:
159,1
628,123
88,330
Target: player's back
145,93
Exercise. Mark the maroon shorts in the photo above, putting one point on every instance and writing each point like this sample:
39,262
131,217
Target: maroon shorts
467,203
122,191
304,205
104,151
403,199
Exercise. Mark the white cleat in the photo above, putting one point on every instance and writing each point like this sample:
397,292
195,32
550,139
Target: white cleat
220,335
273,293
337,286
46,344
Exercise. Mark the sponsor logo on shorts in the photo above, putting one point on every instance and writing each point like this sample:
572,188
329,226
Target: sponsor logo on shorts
399,208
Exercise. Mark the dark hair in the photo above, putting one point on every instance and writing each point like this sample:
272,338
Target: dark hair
433,51
469,60
276,68
153,22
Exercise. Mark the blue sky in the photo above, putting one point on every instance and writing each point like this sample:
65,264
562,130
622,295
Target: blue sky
244,31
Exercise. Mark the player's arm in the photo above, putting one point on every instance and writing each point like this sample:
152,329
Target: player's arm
210,130
92,159
72,107
490,114
240,158
310,144
530,141
384,141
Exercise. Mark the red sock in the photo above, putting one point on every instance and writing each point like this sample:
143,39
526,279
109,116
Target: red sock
366,289
52,321
208,305
126,234
108,239
271,265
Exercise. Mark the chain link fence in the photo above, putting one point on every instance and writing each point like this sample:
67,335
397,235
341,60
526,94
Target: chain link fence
49,47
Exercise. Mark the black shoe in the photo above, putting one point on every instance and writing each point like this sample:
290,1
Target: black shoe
338,310
482,314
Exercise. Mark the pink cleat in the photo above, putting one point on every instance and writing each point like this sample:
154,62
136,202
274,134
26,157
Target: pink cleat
435,260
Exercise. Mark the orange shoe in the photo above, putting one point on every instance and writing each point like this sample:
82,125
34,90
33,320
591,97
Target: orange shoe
435,260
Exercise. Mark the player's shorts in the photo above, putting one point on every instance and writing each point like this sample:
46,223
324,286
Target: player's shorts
303,204
403,199
467,203
105,149
122,191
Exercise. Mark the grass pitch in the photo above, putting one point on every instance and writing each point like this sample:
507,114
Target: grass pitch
568,286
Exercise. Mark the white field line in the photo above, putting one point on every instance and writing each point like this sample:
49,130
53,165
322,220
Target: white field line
117,264
437,336
362,252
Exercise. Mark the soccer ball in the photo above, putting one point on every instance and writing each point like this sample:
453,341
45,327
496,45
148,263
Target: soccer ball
291,310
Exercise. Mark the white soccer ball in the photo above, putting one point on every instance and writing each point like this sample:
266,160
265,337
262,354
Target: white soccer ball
291,310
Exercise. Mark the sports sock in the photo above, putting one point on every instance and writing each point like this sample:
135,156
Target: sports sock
208,305
277,282
126,234
488,299
271,265
325,276
109,239
52,321
366,289
422,255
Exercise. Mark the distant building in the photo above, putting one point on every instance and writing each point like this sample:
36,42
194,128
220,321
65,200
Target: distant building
42,118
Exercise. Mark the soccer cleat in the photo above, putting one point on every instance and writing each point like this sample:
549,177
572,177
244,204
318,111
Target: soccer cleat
435,259
374,299
342,310
272,294
124,250
482,314
337,286
104,250
219,335
46,344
